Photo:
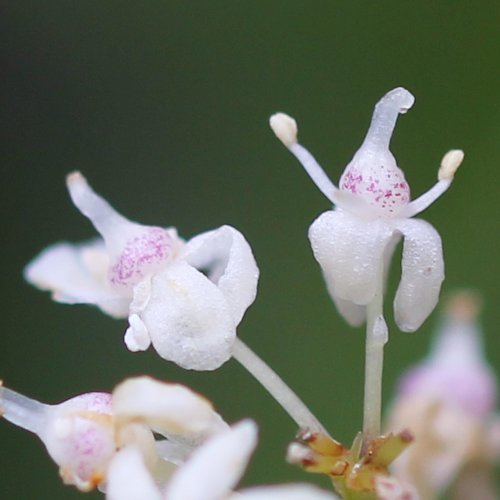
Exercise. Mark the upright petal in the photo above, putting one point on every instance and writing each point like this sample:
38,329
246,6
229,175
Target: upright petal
422,273
373,173
350,252
187,318
216,467
227,257
77,274
130,479
135,251
285,492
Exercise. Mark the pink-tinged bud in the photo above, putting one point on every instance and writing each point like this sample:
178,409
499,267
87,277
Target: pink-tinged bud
77,433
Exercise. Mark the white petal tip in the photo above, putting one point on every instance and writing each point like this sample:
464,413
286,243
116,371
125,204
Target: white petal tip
137,335
450,163
285,128
401,97
75,178
77,186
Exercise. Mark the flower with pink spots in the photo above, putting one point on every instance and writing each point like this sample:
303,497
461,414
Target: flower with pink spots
184,298
354,241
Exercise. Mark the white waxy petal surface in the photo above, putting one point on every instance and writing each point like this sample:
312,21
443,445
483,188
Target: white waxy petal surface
188,318
167,408
79,436
350,252
227,257
422,273
285,492
77,274
135,250
129,478
216,467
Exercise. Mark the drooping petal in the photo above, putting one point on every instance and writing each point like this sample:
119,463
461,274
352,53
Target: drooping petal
77,274
227,257
129,478
354,315
216,467
285,492
422,273
350,252
135,251
170,409
186,316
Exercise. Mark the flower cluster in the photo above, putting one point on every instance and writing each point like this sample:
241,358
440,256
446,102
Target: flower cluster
108,441
155,440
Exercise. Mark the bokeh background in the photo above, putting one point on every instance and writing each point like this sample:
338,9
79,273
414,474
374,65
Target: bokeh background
164,105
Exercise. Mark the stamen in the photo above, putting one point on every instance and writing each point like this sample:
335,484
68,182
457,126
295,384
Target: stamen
23,411
285,128
449,165
384,117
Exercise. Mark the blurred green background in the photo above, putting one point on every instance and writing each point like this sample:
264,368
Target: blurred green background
164,107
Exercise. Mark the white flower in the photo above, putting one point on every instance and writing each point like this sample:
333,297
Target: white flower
84,433
354,242
77,433
184,298
447,402
210,473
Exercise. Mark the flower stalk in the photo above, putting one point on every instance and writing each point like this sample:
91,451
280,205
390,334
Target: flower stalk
376,338
276,387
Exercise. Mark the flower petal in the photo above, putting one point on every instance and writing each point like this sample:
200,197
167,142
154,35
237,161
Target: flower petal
350,252
422,273
170,409
79,437
228,258
129,478
135,250
215,468
187,318
354,315
77,274
285,492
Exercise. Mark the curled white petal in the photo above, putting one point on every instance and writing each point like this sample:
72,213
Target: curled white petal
354,315
129,478
422,274
137,335
188,318
228,259
166,408
350,252
77,274
216,467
